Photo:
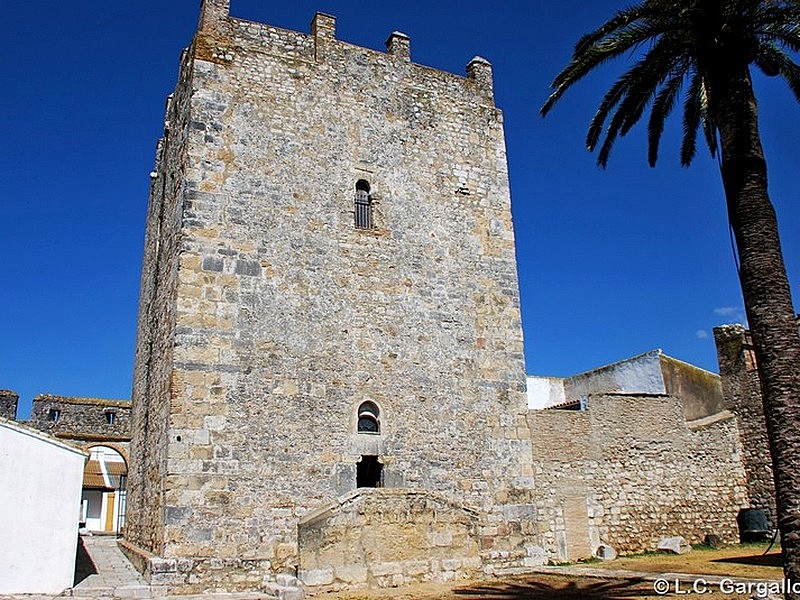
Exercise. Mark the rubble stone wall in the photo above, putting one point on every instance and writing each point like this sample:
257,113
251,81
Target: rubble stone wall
741,388
389,537
83,420
153,369
8,404
629,471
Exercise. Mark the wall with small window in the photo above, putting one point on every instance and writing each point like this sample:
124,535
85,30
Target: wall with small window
77,418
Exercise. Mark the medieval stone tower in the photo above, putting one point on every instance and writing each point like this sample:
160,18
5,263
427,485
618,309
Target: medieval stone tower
329,373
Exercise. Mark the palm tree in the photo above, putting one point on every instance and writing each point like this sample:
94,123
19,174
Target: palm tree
702,50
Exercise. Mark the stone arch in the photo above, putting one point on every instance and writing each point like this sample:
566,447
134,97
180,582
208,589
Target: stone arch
121,450
104,493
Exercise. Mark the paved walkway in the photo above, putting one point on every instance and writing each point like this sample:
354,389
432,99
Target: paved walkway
102,571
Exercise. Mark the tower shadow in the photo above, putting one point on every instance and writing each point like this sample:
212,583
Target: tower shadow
536,589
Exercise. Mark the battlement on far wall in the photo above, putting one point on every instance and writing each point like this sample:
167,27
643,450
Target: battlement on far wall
81,418
221,37
8,404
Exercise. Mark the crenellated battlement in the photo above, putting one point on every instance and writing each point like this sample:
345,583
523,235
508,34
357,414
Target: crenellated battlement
220,37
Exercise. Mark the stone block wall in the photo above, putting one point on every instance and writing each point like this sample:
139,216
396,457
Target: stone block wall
267,318
153,372
629,471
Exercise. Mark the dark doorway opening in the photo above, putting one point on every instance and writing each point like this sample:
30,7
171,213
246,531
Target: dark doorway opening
369,472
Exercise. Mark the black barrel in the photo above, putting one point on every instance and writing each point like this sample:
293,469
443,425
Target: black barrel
753,525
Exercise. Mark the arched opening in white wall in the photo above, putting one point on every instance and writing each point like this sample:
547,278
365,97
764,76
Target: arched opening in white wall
103,498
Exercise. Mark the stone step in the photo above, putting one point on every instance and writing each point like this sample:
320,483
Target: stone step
124,592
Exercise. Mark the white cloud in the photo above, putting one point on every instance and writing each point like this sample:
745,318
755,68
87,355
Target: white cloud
701,334
731,314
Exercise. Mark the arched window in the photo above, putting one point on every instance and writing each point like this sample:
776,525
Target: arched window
369,418
363,205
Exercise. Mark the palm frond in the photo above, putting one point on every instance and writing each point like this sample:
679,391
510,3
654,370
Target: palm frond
775,13
622,19
610,100
691,120
674,40
774,61
707,120
603,51
657,66
611,137
631,94
662,107
786,33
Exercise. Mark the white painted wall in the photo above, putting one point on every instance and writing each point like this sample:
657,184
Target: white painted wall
544,391
94,509
637,375
40,497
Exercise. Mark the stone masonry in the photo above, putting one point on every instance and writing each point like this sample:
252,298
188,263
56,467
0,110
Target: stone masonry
269,314
8,404
630,470
86,421
741,387
329,381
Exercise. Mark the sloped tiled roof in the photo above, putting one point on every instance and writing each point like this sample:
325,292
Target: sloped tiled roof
116,468
93,476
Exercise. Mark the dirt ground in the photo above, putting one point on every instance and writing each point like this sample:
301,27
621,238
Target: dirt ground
746,560
733,561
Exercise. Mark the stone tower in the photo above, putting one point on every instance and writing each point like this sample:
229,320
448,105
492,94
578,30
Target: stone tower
329,324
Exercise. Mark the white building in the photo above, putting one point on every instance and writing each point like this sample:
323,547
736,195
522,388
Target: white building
40,500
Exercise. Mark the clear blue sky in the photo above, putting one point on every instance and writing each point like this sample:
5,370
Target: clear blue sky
612,263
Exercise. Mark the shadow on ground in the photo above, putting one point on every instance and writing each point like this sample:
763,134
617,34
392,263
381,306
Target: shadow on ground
762,560
84,566
586,589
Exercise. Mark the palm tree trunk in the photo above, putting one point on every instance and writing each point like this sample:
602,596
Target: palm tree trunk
767,296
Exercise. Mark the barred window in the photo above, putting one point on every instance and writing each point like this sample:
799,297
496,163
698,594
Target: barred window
363,205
